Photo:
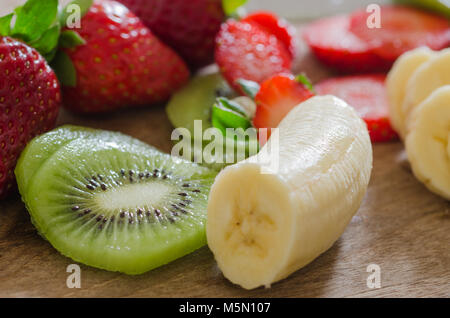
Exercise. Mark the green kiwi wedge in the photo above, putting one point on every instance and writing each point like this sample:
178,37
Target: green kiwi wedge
43,146
117,205
439,6
195,102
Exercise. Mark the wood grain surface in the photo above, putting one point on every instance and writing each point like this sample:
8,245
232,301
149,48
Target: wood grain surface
400,226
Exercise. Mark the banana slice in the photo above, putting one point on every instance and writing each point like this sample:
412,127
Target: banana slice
428,77
428,141
263,226
397,80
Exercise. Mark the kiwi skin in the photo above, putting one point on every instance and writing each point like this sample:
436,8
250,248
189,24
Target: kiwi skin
144,242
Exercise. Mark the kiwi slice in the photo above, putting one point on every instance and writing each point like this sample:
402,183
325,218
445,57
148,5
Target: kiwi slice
439,6
195,102
119,206
43,146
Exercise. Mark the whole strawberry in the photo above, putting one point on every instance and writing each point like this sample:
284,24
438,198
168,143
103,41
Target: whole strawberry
189,27
249,50
29,102
121,63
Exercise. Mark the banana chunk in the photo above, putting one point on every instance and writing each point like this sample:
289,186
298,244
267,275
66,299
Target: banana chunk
397,81
261,227
423,119
428,77
428,141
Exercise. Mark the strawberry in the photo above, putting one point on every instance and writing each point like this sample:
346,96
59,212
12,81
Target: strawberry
367,94
247,51
189,27
334,45
276,97
121,64
402,29
276,26
29,102
30,95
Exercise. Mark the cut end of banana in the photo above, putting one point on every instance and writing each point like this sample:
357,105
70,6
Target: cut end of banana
249,216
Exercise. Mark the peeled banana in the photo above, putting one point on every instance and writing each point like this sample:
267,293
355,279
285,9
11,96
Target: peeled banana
263,226
420,111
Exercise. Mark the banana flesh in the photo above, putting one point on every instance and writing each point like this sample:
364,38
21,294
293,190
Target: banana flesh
261,227
396,83
427,143
422,113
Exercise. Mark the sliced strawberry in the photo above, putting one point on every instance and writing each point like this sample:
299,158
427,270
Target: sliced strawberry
334,45
246,51
367,94
275,99
402,29
276,26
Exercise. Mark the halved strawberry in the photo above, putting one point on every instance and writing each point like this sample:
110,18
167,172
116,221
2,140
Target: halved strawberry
334,45
402,29
275,99
246,51
367,94
276,26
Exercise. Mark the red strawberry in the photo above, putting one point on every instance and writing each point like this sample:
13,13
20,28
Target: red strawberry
402,29
276,97
122,63
189,27
246,51
367,94
334,45
276,26
29,102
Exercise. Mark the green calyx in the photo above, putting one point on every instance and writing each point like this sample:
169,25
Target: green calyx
228,114
233,8
39,23
303,79
250,88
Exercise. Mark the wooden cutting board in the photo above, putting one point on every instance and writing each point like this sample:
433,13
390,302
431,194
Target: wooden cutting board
401,227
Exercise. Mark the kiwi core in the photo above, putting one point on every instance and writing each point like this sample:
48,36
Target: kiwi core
132,196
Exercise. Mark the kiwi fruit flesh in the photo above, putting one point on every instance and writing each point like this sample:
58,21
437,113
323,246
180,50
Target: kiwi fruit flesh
43,146
119,206
194,102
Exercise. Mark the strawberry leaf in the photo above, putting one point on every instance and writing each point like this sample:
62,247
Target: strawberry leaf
70,39
227,114
5,24
34,18
250,88
302,78
236,107
231,7
48,41
64,69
